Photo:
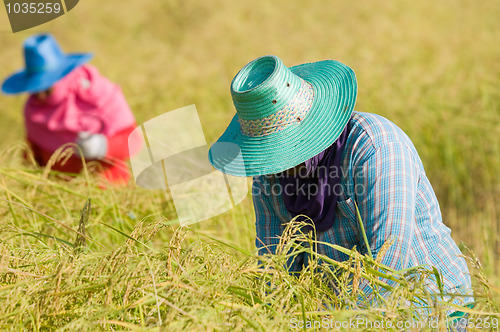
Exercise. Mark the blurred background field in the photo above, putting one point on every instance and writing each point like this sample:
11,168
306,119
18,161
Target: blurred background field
430,67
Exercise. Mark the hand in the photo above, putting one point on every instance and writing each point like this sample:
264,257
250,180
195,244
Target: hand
93,146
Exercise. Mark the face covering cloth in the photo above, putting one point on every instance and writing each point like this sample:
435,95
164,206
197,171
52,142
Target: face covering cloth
311,191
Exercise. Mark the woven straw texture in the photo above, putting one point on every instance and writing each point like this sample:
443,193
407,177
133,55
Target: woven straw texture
263,88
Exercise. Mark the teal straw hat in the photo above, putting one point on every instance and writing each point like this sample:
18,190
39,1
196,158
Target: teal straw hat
284,116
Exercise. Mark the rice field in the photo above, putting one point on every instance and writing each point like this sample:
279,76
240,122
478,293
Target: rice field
122,262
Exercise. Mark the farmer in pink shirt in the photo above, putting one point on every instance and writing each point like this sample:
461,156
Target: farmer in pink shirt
70,102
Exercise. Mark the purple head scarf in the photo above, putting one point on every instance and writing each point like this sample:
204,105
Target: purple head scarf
312,191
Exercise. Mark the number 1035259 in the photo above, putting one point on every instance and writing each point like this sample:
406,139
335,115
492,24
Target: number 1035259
33,8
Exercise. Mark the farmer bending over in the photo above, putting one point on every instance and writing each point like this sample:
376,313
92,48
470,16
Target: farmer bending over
70,102
310,154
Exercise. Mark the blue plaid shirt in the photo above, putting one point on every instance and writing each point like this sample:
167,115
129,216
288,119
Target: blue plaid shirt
383,174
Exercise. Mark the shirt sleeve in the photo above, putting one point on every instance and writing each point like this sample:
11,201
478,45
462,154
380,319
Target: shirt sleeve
387,203
118,147
267,223
271,217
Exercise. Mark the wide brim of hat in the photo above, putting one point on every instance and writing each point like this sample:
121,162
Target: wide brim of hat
335,90
23,81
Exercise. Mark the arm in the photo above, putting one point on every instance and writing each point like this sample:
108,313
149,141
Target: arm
118,147
267,224
100,147
389,181
271,216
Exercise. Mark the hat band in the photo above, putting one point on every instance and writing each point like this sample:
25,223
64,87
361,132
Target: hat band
293,112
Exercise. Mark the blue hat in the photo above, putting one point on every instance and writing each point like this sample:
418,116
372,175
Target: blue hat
45,65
